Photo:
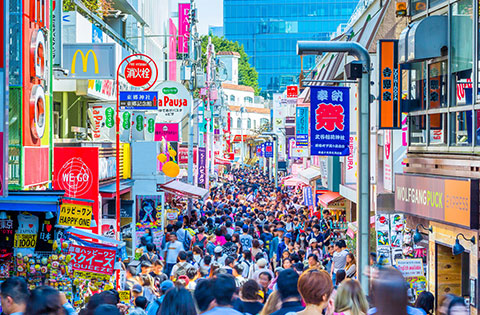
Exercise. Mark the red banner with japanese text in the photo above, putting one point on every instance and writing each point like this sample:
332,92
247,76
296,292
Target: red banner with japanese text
91,259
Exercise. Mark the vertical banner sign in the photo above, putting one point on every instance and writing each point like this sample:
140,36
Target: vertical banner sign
183,27
308,198
202,163
4,30
301,127
389,105
330,120
172,51
387,160
259,150
57,33
269,149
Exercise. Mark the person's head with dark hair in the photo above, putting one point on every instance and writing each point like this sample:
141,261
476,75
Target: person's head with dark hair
287,284
44,301
228,237
223,289
203,295
249,291
178,225
178,300
14,295
141,302
389,292
264,279
315,287
105,297
169,228
182,255
229,261
106,309
191,273
247,255
298,267
150,247
426,302
340,276
453,305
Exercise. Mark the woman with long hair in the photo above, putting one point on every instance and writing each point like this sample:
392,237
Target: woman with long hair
350,299
178,300
351,266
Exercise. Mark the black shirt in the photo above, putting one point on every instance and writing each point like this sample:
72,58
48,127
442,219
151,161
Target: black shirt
287,307
252,308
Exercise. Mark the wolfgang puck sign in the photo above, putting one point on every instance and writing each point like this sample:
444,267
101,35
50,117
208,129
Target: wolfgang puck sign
174,101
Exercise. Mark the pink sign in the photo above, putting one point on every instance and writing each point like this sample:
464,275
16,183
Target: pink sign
183,27
172,51
169,131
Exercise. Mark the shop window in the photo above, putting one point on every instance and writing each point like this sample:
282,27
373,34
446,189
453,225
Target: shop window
254,124
418,6
477,127
249,123
239,123
462,51
438,129
437,84
413,83
461,128
417,130
232,98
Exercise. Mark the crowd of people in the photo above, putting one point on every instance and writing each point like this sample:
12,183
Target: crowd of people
249,248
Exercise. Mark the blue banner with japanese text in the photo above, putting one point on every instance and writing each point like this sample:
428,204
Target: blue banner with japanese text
330,120
301,126
269,149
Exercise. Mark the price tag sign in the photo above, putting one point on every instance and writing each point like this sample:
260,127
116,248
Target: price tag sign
91,275
25,240
75,215
124,296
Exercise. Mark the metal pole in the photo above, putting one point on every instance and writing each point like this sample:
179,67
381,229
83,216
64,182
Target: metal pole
241,139
363,131
276,160
190,122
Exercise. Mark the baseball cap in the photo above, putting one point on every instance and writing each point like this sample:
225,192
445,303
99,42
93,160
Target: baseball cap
312,240
288,235
218,250
282,230
167,284
262,262
137,288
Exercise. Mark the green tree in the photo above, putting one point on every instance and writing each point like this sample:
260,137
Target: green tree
247,75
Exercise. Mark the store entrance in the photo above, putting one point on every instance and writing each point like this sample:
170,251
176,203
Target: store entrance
452,272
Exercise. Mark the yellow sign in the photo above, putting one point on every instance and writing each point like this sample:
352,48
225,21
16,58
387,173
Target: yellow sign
75,215
25,240
124,296
91,275
84,60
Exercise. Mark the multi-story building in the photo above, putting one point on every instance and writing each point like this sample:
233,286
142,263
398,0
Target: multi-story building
269,31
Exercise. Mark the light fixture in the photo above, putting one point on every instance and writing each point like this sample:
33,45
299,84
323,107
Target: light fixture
93,223
3,215
458,248
49,215
417,237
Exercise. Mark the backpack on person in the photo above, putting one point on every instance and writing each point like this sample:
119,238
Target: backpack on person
199,242
186,240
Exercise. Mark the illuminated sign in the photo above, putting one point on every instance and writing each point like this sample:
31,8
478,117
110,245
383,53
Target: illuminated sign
88,61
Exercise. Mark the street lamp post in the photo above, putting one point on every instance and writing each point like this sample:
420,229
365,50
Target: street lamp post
274,137
363,131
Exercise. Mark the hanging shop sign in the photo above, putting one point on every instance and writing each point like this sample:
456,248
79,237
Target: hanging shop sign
292,91
268,149
202,164
183,27
101,89
330,120
301,127
167,131
172,51
389,105
75,215
387,160
174,101
92,259
279,112
88,61
138,100
258,150
450,200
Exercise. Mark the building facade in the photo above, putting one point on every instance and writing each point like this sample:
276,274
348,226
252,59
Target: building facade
269,31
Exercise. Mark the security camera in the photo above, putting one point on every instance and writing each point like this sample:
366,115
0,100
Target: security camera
65,72
124,18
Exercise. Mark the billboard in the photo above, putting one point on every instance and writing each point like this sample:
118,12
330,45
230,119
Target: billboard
301,126
174,101
89,61
183,27
330,120
389,105
169,131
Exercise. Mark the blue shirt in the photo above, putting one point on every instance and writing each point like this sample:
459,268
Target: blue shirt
410,311
220,310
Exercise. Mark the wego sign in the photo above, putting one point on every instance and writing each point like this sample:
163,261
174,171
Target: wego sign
174,101
75,177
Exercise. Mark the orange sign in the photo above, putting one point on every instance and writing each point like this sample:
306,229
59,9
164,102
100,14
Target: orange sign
389,105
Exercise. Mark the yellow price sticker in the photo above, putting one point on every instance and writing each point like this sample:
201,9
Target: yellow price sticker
91,275
75,215
124,296
25,240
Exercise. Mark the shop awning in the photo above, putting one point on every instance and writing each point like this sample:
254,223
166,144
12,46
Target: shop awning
311,173
293,180
32,201
329,197
183,189
222,161
108,191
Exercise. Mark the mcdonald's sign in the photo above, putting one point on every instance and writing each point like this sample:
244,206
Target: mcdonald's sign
81,61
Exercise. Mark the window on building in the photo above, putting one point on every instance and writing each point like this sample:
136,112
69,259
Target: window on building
232,98
418,6
239,123
249,123
263,121
248,99
254,124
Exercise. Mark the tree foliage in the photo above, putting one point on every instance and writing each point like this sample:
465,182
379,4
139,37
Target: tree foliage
100,7
247,75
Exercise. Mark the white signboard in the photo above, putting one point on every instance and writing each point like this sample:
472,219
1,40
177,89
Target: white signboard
351,161
411,267
174,101
387,160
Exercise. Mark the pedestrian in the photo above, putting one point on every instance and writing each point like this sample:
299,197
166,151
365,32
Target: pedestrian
425,301
339,258
287,287
139,306
157,273
264,280
178,300
250,301
14,296
351,266
350,299
223,287
180,268
44,301
173,247
453,305
203,295
246,239
155,305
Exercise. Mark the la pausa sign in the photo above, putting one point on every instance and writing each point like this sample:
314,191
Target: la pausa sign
174,101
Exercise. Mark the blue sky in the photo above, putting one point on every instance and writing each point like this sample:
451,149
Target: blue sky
210,12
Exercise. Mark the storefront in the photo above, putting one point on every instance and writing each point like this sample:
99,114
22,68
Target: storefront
450,207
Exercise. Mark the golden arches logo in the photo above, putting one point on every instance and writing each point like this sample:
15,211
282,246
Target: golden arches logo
84,60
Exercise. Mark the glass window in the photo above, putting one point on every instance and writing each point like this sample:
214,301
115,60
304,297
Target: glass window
434,3
461,128
418,6
239,123
438,127
249,123
417,130
232,98
462,51
438,84
254,124
413,87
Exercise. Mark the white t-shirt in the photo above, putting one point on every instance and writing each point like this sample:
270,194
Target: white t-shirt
27,225
173,248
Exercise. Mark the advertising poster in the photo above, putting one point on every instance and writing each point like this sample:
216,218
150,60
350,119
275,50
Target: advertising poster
168,131
387,160
330,120
269,149
174,101
301,126
183,27
202,164
149,216
92,259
